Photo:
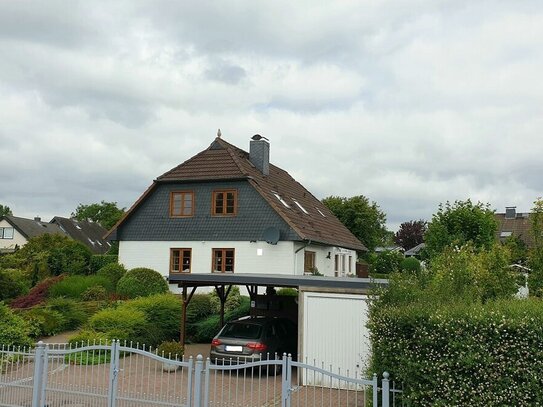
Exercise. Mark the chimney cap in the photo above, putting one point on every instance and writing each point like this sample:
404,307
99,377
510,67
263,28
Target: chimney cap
257,137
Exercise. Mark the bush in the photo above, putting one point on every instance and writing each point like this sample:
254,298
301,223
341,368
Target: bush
386,262
74,286
36,295
13,283
124,324
410,265
113,272
232,301
96,293
45,321
14,330
171,350
467,354
89,337
98,261
141,282
288,292
73,312
162,313
72,257
85,338
200,307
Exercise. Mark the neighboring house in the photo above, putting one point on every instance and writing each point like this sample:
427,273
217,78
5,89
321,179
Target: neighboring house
381,249
228,211
15,231
91,234
415,251
513,223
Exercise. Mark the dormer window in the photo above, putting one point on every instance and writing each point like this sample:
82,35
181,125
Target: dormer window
299,205
285,204
225,202
181,204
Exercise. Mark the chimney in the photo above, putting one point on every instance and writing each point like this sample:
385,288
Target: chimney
510,212
259,153
37,219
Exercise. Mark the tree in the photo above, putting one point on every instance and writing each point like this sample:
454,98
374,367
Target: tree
535,258
105,213
411,234
4,210
363,218
460,223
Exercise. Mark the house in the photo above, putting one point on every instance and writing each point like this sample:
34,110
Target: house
91,234
15,231
415,251
513,223
228,211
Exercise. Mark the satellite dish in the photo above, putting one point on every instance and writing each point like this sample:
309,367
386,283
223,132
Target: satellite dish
271,235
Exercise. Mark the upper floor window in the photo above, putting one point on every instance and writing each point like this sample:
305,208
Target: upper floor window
180,260
223,260
225,202
181,203
6,233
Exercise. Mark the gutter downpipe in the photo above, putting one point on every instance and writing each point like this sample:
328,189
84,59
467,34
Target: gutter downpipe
296,255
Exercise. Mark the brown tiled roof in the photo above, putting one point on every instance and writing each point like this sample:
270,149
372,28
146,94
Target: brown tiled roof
520,226
223,160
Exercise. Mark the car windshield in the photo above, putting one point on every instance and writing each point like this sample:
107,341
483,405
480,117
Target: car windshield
241,330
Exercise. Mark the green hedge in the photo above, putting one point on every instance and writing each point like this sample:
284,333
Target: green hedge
74,286
112,271
14,330
141,282
462,355
97,261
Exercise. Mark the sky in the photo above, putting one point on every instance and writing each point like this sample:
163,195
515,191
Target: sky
408,102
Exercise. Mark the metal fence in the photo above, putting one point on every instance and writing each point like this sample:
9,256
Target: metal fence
126,375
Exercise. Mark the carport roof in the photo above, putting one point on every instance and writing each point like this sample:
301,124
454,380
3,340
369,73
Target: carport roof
274,280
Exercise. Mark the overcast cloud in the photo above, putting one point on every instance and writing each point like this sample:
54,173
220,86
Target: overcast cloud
410,103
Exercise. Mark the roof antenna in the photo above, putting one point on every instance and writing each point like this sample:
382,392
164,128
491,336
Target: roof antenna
219,134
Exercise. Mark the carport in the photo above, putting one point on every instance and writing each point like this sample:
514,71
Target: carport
310,289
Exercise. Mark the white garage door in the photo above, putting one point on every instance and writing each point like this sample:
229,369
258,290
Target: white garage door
335,333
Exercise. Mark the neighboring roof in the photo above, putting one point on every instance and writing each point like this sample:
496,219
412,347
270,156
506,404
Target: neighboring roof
224,161
520,225
274,280
30,228
414,251
380,249
89,233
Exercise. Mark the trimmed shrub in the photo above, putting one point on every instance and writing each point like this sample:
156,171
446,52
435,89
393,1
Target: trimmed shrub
464,355
162,313
36,295
96,293
74,286
386,262
141,282
13,283
73,312
171,350
200,307
288,292
410,265
45,321
113,272
124,324
84,338
98,261
14,330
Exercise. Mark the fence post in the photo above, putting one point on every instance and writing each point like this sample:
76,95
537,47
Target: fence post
38,372
198,381
113,371
375,390
285,380
386,390
45,370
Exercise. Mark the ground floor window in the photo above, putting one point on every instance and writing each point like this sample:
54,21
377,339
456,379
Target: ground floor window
223,260
309,261
180,260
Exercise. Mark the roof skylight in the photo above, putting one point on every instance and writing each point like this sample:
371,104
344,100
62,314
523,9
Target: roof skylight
299,205
318,210
285,204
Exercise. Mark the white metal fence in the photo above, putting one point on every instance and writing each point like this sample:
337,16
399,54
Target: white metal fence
123,375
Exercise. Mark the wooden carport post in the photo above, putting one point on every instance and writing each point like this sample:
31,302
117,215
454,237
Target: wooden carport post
223,295
186,300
